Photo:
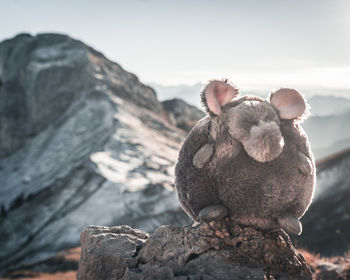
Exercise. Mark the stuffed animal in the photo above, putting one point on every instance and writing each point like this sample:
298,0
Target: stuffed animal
248,159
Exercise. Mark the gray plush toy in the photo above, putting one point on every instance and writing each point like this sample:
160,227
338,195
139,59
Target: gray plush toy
248,159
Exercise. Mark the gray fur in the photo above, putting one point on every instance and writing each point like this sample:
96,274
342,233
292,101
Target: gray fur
262,168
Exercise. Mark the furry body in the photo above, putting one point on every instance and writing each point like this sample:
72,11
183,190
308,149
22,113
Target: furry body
256,193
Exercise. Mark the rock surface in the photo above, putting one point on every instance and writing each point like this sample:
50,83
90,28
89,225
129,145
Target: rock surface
42,76
221,250
82,141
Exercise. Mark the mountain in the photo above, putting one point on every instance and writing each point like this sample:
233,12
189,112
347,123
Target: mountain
329,105
40,82
328,134
82,142
336,147
181,114
326,225
328,127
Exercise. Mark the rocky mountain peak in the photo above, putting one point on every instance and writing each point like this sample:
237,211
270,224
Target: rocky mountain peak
43,76
82,141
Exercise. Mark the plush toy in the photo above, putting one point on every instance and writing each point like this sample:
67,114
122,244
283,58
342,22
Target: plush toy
248,159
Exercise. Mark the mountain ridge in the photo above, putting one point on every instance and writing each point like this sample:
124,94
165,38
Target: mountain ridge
82,142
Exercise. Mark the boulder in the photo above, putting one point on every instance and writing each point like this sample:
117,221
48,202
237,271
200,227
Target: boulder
218,250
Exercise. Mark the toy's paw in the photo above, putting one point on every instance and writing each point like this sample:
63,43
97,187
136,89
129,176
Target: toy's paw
290,224
212,213
305,164
202,156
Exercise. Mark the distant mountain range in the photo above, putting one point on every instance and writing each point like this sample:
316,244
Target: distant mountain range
329,105
328,127
323,103
328,134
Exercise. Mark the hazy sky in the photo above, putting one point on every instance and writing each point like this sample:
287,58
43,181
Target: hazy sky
257,44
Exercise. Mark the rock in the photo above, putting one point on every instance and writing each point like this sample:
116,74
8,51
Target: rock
108,251
181,114
82,141
219,250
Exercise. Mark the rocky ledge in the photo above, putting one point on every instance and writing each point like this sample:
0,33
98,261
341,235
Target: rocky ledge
221,250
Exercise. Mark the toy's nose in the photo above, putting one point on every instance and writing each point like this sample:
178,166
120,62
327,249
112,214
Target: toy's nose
265,142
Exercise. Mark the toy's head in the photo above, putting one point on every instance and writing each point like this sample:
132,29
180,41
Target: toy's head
254,122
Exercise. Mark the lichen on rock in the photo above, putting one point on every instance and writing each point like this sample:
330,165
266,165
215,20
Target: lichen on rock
218,250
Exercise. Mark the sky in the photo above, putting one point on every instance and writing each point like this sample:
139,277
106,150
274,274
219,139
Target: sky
255,43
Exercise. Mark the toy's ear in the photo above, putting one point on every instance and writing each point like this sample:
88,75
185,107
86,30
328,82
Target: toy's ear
216,94
290,103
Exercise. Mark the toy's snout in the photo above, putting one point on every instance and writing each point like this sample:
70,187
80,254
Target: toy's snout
265,142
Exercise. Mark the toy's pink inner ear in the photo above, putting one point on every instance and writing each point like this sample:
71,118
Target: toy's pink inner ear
218,94
289,102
